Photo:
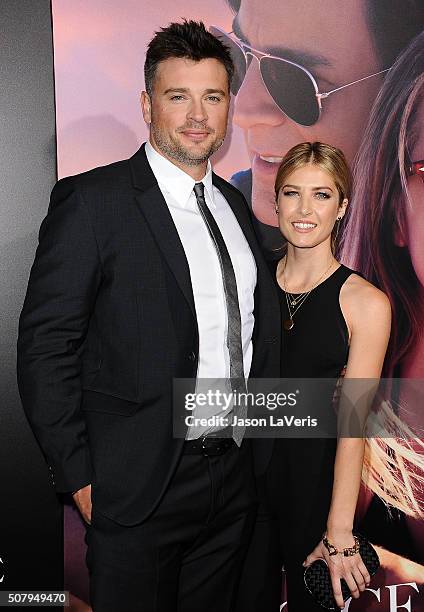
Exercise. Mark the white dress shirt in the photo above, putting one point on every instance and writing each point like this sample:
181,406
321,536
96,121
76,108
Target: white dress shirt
205,271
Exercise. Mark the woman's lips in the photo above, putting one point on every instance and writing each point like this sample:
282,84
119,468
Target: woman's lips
303,227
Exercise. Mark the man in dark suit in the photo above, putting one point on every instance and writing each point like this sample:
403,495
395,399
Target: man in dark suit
148,270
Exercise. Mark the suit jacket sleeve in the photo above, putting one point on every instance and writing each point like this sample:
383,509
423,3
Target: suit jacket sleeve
62,289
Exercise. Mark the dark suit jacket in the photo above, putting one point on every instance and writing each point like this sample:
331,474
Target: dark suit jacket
108,321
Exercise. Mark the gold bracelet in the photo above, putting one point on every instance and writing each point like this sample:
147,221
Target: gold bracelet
332,550
352,550
346,552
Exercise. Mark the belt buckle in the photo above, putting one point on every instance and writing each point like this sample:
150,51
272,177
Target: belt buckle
213,450
204,445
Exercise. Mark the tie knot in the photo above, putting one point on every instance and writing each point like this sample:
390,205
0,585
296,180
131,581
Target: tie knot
199,190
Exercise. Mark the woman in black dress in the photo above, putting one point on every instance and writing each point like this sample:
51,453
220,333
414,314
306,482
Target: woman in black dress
334,323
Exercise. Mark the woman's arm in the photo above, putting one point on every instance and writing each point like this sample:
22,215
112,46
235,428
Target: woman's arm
368,316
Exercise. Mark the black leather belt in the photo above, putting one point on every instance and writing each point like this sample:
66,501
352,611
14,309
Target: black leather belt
208,446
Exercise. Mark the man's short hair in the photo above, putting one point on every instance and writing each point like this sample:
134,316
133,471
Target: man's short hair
189,39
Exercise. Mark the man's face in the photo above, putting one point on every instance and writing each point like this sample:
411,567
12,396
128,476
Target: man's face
188,110
331,39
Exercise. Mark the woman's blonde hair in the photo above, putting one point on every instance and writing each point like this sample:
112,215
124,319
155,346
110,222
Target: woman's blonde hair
327,158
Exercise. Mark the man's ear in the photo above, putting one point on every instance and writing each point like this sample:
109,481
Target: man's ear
146,107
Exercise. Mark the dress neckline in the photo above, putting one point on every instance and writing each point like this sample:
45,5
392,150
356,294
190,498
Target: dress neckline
316,287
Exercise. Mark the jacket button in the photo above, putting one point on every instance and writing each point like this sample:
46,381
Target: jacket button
192,356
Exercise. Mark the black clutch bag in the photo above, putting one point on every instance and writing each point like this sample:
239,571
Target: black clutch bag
318,582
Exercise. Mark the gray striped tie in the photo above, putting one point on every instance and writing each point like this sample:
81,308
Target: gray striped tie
233,310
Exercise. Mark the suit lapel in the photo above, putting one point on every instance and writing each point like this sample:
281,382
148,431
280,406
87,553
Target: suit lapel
154,209
267,310
240,213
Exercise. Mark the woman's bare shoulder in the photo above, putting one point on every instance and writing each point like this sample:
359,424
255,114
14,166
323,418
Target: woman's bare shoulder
360,297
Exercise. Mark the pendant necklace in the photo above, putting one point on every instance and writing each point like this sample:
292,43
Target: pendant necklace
299,300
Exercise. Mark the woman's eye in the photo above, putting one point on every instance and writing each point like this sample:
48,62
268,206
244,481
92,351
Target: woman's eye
289,193
322,195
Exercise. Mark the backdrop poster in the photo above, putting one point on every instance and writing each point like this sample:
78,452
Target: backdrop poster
99,54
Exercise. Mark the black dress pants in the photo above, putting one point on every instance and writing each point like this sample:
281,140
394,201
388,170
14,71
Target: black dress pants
295,496
187,556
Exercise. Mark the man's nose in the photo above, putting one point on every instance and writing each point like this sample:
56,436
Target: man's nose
197,111
254,105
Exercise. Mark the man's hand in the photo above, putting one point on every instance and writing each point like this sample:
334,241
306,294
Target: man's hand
82,498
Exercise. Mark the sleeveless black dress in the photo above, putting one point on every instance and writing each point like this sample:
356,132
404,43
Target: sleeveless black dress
295,491
318,344
299,479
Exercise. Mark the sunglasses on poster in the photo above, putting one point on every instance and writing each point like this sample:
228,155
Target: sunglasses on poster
417,169
286,82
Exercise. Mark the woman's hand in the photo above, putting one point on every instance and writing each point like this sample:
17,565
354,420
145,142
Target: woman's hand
352,569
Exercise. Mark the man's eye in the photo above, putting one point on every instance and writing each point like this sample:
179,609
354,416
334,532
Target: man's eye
214,98
177,98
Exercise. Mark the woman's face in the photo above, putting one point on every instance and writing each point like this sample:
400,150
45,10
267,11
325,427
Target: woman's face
308,206
331,39
415,211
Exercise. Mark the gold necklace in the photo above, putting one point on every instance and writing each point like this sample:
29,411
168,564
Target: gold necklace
289,323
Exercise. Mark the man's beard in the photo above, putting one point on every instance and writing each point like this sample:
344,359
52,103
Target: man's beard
173,149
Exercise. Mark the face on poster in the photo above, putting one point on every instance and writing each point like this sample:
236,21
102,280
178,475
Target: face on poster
414,230
332,53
